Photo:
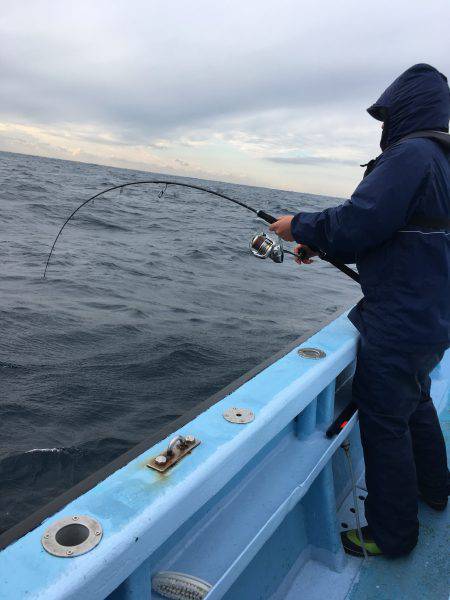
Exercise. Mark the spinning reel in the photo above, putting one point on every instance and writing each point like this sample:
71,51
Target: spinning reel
262,246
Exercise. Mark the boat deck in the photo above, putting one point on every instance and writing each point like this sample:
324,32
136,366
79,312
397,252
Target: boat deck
424,574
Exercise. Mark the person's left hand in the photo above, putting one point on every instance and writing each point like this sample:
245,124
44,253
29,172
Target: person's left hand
282,227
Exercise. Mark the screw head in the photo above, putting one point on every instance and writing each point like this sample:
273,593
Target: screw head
98,532
75,518
46,536
69,552
190,439
160,460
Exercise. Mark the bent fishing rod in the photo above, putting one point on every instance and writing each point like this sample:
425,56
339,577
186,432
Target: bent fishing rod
261,244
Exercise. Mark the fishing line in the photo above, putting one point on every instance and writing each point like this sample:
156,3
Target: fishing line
259,213
160,194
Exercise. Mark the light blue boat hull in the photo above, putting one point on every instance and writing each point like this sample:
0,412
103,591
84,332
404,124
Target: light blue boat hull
253,509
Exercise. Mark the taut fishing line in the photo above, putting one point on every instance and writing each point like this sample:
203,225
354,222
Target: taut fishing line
261,245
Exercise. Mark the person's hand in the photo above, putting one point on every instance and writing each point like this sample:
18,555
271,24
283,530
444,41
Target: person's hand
282,227
303,248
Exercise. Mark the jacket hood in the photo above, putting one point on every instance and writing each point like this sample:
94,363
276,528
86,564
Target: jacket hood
417,100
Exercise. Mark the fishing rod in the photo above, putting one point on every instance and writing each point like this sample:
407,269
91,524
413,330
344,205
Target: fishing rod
261,245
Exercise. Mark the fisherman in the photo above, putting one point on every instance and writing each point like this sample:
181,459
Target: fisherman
396,228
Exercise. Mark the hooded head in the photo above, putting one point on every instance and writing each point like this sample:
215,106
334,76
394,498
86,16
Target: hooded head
416,101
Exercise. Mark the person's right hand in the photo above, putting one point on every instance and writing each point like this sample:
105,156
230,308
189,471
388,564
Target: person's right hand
309,254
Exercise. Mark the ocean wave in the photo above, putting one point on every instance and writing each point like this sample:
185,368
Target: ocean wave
44,450
98,223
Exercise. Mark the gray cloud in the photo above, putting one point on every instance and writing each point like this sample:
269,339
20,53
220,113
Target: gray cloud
270,78
309,160
148,68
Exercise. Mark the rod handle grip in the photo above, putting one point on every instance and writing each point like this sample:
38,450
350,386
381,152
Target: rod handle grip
341,420
266,217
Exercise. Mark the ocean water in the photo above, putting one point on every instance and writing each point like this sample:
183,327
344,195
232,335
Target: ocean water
150,305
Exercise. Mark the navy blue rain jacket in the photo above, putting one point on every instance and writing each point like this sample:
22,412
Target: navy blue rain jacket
404,269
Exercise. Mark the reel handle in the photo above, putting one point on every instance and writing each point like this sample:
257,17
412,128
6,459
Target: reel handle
269,219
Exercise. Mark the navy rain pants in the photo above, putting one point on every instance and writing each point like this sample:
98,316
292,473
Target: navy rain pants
404,449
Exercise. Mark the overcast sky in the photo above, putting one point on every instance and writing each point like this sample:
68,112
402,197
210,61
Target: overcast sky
269,93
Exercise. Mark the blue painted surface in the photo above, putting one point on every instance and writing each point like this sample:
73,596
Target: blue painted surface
249,510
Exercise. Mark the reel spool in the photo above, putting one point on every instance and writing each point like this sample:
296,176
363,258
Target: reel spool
262,246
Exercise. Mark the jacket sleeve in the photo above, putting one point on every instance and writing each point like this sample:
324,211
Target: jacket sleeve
381,204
